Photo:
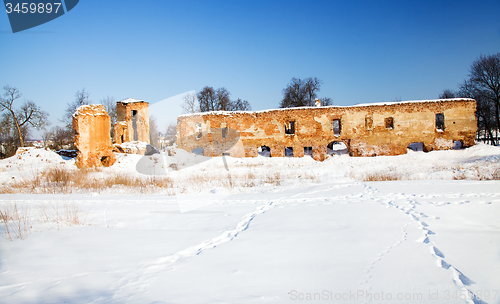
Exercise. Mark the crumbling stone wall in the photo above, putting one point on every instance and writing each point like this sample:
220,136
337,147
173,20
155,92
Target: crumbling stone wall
93,143
366,130
132,124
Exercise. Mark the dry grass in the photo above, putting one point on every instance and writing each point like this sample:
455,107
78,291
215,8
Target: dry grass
482,173
61,180
274,178
66,181
69,214
16,221
6,189
249,179
390,175
461,172
382,176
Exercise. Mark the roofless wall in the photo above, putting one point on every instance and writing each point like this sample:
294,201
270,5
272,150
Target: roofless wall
132,118
366,130
92,141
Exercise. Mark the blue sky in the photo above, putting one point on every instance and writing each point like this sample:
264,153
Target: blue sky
363,51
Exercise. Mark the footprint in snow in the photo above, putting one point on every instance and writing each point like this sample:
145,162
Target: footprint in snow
437,252
443,264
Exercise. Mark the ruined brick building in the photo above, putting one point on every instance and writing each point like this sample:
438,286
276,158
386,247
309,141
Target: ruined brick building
132,124
92,141
92,131
365,130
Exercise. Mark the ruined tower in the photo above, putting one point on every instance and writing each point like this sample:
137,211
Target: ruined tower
132,121
93,143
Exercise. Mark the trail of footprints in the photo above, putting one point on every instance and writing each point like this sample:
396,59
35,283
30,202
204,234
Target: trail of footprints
139,282
461,280
381,255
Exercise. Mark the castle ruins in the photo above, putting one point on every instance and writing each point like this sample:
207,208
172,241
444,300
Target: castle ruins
365,130
92,132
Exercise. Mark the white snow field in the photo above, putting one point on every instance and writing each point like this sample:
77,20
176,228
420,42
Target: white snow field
283,230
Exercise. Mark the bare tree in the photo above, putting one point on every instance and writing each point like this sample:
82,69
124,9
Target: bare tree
57,138
154,135
302,93
110,104
46,135
207,99
190,104
8,136
218,100
241,105
484,86
326,101
81,98
293,94
222,100
447,94
311,87
484,74
171,134
29,114
485,112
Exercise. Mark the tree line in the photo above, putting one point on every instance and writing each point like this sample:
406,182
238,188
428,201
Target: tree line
210,99
297,93
483,85
303,93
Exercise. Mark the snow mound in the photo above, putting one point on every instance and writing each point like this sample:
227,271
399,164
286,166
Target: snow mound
30,161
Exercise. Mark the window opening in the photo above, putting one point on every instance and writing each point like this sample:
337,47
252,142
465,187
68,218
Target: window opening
457,145
224,130
308,150
416,146
440,121
337,148
389,123
135,134
197,151
264,151
289,151
290,127
336,127
105,161
198,130
369,123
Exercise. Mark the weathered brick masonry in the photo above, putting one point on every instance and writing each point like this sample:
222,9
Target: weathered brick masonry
366,130
93,143
132,118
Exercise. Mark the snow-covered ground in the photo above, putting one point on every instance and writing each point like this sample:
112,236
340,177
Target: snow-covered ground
283,230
